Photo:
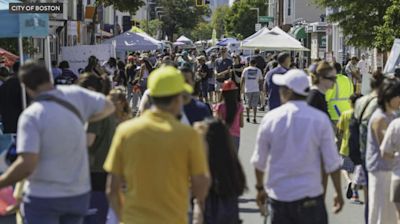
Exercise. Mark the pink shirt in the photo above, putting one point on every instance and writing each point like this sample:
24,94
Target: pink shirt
235,128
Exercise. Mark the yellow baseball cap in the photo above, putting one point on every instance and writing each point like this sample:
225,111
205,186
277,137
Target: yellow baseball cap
167,81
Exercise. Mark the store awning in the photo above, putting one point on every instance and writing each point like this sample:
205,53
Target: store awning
299,32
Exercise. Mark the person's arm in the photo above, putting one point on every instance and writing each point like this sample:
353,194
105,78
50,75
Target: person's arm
114,193
338,197
200,185
379,127
242,82
90,138
241,120
108,109
391,142
22,168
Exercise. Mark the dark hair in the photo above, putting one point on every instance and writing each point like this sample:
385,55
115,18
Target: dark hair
121,65
282,57
338,67
253,61
322,70
228,178
231,105
389,89
53,63
4,72
377,79
64,65
32,75
89,79
257,51
275,64
163,101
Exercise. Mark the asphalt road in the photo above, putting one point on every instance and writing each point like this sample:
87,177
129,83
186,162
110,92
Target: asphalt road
351,214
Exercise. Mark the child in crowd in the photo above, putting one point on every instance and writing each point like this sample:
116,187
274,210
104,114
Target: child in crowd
348,165
228,179
230,110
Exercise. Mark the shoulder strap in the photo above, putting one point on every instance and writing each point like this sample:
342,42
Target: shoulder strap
67,105
364,109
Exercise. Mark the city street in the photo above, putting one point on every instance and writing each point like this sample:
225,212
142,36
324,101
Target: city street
248,209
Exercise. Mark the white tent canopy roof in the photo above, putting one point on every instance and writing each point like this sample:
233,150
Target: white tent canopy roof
258,33
274,40
184,39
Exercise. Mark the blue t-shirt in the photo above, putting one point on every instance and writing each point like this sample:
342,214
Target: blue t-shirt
196,111
274,99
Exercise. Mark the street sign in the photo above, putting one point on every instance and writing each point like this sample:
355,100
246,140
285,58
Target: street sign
258,26
265,19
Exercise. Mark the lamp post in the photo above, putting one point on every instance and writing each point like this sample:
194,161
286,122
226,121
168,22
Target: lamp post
258,13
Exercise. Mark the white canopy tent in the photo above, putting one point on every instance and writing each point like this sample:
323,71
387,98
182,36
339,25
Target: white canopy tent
184,40
256,34
274,40
283,33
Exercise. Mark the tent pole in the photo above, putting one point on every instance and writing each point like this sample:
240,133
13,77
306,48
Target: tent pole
21,59
47,57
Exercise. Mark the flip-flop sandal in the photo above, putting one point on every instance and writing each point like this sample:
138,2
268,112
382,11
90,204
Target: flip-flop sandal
349,191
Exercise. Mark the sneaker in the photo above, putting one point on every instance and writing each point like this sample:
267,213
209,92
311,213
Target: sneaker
349,191
248,120
262,108
356,201
255,121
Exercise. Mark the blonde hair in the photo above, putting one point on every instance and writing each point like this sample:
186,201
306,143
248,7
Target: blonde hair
118,95
322,70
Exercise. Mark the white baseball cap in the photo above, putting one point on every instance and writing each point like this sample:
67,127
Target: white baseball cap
295,79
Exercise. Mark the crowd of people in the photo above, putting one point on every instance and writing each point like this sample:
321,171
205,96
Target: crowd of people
155,139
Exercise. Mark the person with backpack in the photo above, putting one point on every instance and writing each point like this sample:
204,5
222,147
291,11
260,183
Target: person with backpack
381,210
230,110
67,77
51,147
228,178
363,110
348,166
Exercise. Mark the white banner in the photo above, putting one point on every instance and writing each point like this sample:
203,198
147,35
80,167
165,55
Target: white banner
394,58
77,56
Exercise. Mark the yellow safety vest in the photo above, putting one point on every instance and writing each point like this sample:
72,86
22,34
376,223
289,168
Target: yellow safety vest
339,95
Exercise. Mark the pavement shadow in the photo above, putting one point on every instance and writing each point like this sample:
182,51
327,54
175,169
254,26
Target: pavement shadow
246,200
249,210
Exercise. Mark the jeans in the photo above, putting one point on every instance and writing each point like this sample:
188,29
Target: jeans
64,210
303,211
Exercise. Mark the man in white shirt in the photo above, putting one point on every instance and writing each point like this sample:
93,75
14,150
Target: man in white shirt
364,69
251,80
293,141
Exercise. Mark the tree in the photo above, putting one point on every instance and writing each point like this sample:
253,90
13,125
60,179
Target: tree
240,22
359,19
130,6
202,31
182,14
390,29
154,26
218,19
11,45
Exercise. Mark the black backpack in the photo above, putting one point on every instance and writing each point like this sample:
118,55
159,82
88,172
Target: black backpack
354,137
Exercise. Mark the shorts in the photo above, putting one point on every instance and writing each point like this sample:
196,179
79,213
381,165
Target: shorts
252,99
395,191
359,176
347,164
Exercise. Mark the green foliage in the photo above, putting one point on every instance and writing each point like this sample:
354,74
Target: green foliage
359,19
131,6
183,14
153,26
202,31
390,29
11,45
241,20
218,19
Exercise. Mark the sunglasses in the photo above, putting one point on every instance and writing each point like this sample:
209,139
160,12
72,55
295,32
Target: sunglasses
332,78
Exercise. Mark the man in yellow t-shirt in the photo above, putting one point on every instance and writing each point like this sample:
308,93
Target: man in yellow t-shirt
155,161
